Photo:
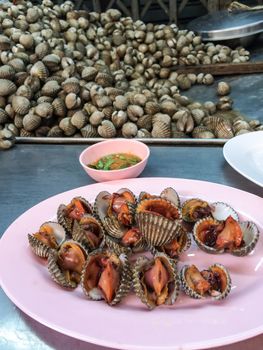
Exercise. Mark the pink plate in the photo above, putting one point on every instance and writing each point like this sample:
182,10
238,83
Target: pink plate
188,324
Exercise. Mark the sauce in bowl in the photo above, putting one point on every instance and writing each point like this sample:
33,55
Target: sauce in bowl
115,161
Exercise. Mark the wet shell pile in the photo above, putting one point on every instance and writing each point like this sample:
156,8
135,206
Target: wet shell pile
93,246
68,73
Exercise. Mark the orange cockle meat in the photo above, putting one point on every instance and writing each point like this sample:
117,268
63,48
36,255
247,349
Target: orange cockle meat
131,237
157,277
109,279
119,206
231,236
76,209
46,236
196,281
71,257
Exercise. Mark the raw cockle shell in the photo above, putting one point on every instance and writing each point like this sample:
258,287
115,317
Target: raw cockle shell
66,264
75,210
223,88
221,211
88,231
214,281
158,219
237,238
195,209
171,195
49,236
155,280
106,276
7,87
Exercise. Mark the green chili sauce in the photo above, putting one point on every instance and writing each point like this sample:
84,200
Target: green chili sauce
115,161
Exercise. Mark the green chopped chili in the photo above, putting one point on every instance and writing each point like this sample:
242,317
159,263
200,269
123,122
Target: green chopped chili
115,161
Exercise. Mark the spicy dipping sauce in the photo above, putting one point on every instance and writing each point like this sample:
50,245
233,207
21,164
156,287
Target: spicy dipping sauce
115,161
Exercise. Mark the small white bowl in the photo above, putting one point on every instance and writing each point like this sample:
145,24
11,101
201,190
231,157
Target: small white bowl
104,148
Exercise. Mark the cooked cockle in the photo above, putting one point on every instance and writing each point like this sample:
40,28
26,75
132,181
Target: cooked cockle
65,265
115,211
238,238
195,209
66,214
214,281
88,231
158,219
155,280
49,236
177,245
106,276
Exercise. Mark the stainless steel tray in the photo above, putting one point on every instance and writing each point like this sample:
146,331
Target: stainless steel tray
153,141
224,25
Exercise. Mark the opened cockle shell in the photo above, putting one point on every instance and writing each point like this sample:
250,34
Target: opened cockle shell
159,220
88,231
214,281
194,209
107,276
155,281
177,245
237,238
75,210
49,236
65,265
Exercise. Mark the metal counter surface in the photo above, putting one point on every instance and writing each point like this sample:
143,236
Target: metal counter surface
32,173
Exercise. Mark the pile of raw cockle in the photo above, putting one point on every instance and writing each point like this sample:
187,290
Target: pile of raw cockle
124,242
73,73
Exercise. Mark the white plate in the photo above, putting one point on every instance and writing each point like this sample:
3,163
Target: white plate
245,154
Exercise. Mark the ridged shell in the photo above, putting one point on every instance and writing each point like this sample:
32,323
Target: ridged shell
7,72
140,265
67,127
195,209
89,73
171,195
21,105
134,112
125,276
55,271
51,61
42,49
129,130
72,101
223,88
224,130
71,85
25,91
39,70
96,118
104,79
216,295
156,229
119,118
202,132
41,249
79,119
59,107
121,102
7,87
145,122
168,107
55,131
5,43
115,246
79,235
4,117
50,88
107,129
18,64
31,122
66,222
221,211
152,108
250,236
44,110
89,131
183,242
161,130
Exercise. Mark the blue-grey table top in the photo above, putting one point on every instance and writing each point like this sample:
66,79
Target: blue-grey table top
32,173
